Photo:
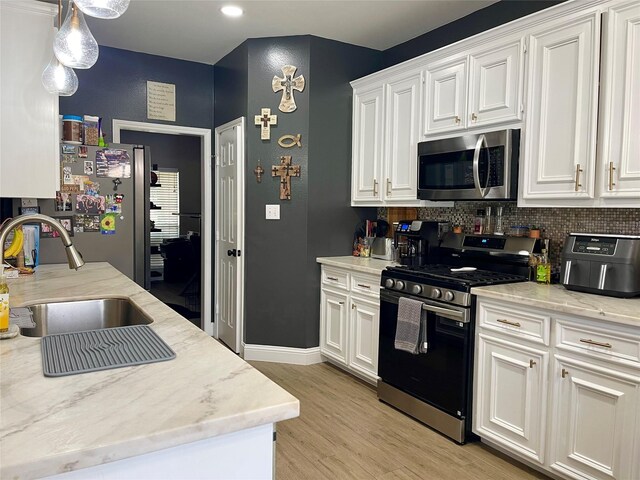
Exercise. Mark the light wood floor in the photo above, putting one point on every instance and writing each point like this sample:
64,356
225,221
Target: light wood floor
344,432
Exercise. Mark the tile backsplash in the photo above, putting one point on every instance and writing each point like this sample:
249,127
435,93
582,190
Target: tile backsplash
556,223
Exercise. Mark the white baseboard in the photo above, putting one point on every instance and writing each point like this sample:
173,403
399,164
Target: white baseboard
296,356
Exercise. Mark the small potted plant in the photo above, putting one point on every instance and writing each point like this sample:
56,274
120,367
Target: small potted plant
534,232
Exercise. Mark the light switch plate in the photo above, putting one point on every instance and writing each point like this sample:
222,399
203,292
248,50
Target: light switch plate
29,202
272,212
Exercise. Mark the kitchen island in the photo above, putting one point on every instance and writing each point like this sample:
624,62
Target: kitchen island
205,414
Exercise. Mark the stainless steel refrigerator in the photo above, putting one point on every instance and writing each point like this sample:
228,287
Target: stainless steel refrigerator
127,248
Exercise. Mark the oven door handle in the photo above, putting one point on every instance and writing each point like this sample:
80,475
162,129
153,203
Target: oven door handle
453,314
482,141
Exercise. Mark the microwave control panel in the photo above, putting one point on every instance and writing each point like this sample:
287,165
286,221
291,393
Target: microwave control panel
595,245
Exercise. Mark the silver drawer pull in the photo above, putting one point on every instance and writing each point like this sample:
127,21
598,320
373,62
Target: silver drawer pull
332,278
597,344
507,322
364,286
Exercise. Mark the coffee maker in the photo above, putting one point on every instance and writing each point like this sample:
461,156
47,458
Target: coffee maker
417,240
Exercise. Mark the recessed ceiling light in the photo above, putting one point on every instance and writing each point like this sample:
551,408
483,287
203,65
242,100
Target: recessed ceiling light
232,11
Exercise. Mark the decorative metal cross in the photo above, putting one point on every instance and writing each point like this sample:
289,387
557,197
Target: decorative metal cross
288,84
285,171
265,120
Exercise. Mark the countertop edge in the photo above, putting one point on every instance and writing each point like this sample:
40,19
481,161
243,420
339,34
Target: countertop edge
374,266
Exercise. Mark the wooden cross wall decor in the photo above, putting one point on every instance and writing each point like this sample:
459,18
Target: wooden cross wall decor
288,84
285,171
265,120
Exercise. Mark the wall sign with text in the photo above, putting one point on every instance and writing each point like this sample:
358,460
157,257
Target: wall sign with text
161,101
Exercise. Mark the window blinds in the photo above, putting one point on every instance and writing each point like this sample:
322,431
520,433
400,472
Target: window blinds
167,225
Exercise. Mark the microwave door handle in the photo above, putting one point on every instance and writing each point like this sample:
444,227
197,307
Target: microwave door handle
482,140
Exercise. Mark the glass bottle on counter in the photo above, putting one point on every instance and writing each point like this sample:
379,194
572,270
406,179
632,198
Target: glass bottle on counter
4,302
478,225
488,221
499,228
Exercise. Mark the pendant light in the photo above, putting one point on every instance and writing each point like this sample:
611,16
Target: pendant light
74,45
57,78
103,8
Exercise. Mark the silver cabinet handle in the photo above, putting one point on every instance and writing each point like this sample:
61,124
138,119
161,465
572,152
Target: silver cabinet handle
564,373
611,170
531,363
375,187
388,187
332,278
474,117
597,344
578,184
364,286
507,322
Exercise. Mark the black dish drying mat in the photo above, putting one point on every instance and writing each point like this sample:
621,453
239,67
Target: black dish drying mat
94,350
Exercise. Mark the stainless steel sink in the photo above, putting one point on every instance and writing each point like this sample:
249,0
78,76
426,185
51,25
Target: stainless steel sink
77,316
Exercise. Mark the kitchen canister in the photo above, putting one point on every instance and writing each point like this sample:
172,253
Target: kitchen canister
72,129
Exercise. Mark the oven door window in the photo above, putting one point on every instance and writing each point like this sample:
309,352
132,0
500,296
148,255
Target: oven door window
455,171
441,376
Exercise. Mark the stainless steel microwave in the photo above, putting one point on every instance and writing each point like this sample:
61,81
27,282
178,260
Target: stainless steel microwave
481,166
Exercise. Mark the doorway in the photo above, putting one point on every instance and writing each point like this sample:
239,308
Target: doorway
229,251
191,222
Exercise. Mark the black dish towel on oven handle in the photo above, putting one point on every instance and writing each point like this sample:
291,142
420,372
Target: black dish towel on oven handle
408,327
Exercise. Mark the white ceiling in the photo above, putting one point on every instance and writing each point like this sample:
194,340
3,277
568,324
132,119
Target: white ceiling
196,30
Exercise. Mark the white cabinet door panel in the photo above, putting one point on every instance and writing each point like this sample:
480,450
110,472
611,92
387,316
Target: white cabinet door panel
363,348
402,133
511,396
494,91
333,325
446,94
367,146
595,421
619,167
560,119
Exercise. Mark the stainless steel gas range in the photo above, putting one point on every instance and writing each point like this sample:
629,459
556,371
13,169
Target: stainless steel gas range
434,385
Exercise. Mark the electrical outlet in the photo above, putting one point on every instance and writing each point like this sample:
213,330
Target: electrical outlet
272,212
29,202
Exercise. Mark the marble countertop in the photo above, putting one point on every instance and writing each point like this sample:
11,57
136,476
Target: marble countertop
366,265
555,297
50,425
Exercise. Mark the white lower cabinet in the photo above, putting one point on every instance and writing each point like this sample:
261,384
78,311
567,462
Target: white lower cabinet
513,399
595,421
349,320
588,374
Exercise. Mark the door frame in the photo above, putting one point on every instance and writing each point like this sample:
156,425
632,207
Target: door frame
240,212
206,321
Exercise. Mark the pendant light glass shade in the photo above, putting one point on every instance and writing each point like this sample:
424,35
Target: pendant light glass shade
103,8
59,79
74,45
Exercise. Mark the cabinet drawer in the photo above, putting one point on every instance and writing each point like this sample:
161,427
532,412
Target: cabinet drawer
335,277
365,284
514,322
605,344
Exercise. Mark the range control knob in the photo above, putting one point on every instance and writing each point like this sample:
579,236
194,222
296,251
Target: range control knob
436,293
399,285
389,282
449,296
416,289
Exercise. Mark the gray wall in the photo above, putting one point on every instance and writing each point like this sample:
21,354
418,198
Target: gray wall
485,19
181,152
282,277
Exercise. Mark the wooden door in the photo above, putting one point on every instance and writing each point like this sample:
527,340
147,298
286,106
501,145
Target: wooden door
561,107
446,97
366,173
619,160
494,85
229,233
363,335
402,134
333,325
595,432
511,396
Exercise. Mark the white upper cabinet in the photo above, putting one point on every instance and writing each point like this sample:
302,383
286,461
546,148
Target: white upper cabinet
618,175
446,85
402,134
478,90
366,168
495,85
29,141
560,119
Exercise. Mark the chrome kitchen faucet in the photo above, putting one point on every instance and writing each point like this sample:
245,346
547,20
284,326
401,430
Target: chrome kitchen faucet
74,257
